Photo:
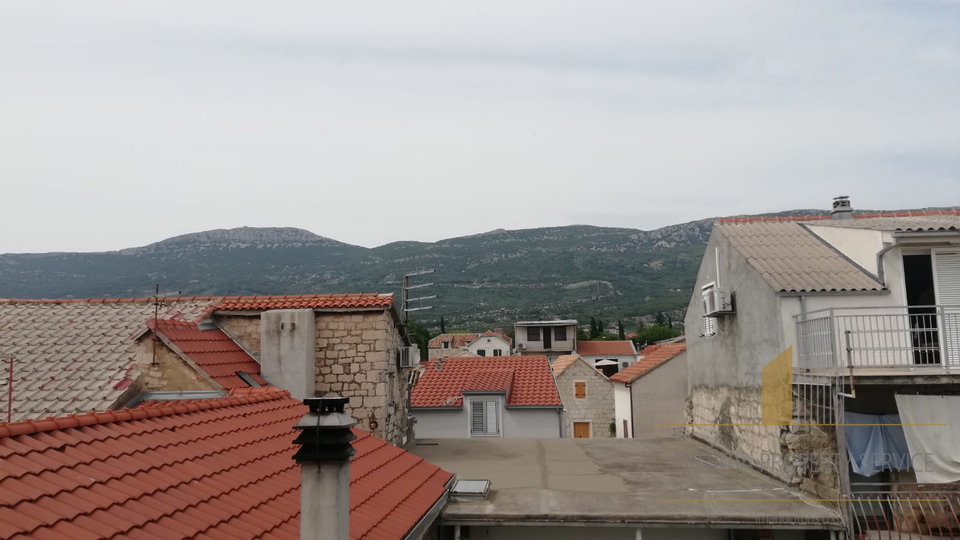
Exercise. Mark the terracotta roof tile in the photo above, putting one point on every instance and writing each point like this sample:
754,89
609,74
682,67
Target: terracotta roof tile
443,382
792,259
606,348
304,301
828,217
455,340
651,357
211,350
562,363
219,468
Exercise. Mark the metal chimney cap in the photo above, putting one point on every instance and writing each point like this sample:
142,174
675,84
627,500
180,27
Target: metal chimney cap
329,403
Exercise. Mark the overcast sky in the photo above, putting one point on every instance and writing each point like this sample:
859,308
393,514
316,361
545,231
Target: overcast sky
123,123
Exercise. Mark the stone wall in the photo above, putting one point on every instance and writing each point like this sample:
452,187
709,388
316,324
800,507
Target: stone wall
245,330
356,358
597,408
730,419
170,372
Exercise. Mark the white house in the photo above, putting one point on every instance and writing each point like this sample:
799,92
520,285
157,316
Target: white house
608,356
465,397
489,343
865,312
548,338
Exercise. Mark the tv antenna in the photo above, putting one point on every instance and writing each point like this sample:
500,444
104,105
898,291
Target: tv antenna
407,287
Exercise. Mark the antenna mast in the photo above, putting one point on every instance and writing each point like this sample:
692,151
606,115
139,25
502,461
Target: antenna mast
407,287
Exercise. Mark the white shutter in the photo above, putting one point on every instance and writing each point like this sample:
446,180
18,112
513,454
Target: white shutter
709,326
946,273
491,413
476,423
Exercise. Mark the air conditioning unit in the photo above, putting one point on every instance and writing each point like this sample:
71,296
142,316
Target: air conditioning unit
521,346
409,356
717,302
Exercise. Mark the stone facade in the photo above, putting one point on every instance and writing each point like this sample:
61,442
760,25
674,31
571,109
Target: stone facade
356,357
170,372
597,408
245,330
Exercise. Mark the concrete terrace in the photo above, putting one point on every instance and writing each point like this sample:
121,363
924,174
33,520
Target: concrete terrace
615,482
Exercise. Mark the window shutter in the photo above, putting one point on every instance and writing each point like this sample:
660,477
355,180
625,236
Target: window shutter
476,408
709,326
947,273
491,410
581,390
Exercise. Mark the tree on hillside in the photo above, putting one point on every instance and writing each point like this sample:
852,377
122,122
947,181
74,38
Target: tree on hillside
621,334
419,335
655,333
443,328
660,320
594,328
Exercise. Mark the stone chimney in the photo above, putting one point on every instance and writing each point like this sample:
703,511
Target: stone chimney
324,458
288,341
842,208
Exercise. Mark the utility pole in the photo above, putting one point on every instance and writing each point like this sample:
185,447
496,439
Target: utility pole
407,287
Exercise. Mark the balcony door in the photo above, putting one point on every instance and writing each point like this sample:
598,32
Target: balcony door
946,265
921,297
547,337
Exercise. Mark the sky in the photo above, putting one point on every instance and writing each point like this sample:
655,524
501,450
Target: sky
124,123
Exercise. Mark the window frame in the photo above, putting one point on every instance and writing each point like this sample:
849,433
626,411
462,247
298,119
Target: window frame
498,352
539,334
556,333
481,352
576,387
485,412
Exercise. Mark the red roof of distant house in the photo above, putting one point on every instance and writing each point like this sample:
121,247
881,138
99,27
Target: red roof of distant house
653,357
498,333
443,381
455,340
205,469
306,301
211,350
606,348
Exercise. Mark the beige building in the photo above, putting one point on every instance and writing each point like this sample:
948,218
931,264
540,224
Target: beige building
650,394
587,397
548,338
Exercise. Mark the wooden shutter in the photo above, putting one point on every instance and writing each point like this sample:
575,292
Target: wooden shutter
946,273
476,423
580,389
491,413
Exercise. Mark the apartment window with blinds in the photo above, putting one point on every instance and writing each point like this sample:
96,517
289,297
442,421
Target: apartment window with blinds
580,390
533,334
560,333
484,418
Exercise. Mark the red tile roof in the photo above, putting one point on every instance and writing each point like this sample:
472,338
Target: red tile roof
606,348
443,381
304,301
211,350
911,213
206,469
652,357
455,340
490,381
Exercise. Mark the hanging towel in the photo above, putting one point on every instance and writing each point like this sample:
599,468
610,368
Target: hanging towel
939,444
875,442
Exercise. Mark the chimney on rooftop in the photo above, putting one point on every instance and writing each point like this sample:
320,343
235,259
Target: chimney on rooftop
842,208
324,458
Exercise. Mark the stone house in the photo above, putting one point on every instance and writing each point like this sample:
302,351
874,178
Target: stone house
650,394
859,309
75,356
587,397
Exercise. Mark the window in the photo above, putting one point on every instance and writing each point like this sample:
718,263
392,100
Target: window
498,352
533,334
481,352
446,344
560,333
484,418
580,390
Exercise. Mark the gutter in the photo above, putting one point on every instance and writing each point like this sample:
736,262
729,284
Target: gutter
880,255
423,524
633,430
600,521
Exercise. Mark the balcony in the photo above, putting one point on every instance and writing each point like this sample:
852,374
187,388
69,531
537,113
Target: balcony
879,340
905,511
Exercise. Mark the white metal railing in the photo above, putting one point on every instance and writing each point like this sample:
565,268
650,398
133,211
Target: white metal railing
914,337
902,511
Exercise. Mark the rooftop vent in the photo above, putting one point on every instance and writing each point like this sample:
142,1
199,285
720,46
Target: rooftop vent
842,208
474,490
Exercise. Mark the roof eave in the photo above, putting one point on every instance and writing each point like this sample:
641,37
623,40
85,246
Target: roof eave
834,292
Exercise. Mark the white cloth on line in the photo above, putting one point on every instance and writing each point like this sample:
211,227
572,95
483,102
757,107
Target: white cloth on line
939,444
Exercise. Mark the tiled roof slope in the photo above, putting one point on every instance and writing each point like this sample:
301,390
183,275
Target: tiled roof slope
792,259
211,350
606,348
562,363
455,340
916,223
75,356
653,357
498,333
828,217
443,381
208,469
490,381
306,301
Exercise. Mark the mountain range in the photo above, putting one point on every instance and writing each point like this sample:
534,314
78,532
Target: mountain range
483,280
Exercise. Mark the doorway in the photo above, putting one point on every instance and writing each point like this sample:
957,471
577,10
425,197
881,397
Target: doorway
547,337
581,430
921,299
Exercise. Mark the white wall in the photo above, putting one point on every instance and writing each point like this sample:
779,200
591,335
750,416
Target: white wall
621,406
489,343
516,423
441,424
520,336
861,245
531,423
629,359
